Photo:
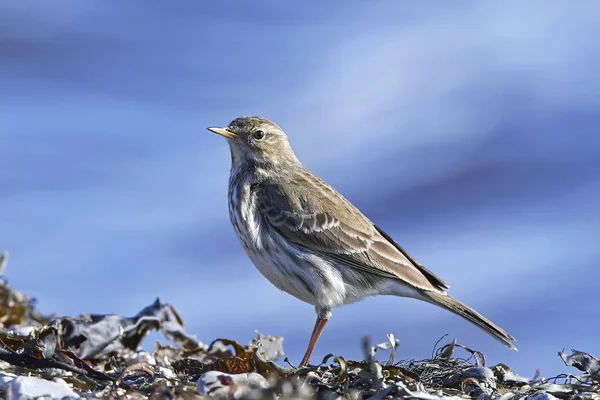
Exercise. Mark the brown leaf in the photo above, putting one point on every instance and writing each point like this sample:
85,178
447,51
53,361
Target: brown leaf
239,365
465,383
42,344
240,351
79,363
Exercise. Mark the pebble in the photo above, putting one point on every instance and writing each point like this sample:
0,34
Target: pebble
542,396
29,387
215,383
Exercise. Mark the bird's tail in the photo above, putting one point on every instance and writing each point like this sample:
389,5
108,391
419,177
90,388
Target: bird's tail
451,304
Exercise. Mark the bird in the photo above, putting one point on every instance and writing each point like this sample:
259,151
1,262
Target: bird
310,242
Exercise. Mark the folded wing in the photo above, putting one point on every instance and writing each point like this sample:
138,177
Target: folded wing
316,217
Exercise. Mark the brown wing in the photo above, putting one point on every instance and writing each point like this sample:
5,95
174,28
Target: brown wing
313,215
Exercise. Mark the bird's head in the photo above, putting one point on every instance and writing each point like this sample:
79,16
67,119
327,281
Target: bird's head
256,140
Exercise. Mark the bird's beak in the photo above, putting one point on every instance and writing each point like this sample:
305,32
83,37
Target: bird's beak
223,132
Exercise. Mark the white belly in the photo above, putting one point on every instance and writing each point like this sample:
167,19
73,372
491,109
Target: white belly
305,276
286,271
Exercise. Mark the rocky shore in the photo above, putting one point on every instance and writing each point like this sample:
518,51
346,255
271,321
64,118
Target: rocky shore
99,357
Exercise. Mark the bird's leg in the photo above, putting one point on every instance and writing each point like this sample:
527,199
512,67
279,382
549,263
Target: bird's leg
314,338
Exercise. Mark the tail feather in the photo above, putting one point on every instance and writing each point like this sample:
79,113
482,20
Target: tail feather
451,304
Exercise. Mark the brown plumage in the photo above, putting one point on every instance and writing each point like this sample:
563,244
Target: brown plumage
311,242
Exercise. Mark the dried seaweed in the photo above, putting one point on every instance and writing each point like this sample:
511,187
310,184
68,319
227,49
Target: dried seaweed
98,336
99,356
585,362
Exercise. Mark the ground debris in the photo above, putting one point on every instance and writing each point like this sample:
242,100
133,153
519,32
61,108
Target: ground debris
99,357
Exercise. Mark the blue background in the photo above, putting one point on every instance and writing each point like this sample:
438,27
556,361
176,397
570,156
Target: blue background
468,131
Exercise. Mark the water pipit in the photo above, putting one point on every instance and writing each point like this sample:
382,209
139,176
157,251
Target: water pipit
312,243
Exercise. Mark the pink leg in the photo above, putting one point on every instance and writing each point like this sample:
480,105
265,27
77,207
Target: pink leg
314,338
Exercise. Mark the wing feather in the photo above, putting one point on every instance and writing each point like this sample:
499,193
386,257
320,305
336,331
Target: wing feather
306,214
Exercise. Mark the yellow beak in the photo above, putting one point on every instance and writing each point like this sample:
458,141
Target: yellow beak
223,132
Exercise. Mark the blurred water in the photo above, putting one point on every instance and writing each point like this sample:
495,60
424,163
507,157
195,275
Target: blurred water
468,132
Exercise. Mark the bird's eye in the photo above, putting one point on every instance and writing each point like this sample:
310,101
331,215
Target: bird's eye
259,134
